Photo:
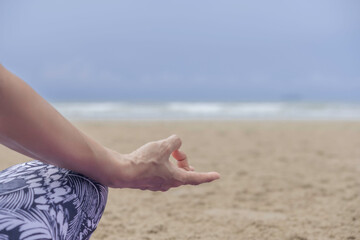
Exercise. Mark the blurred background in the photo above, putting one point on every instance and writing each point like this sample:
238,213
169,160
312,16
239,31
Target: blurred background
208,60
187,59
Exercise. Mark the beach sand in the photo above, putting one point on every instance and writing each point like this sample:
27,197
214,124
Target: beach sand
280,180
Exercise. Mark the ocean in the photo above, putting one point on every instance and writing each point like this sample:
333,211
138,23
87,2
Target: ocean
208,111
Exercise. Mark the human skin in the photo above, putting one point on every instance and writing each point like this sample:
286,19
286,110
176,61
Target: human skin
31,126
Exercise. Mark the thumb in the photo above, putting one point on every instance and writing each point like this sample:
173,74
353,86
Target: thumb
174,143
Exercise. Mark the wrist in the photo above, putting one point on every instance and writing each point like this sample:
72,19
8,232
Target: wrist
114,169
94,161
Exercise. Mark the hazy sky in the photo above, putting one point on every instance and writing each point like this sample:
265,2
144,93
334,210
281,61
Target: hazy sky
184,50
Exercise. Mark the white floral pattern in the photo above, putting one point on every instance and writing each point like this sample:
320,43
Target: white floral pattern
41,201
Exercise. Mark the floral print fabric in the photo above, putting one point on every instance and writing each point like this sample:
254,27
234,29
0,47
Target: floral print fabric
41,201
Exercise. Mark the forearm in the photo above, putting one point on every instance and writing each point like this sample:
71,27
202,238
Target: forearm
31,126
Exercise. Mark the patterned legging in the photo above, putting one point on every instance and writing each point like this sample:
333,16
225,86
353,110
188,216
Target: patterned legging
41,201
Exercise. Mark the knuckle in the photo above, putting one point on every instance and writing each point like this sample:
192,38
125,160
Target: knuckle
175,136
174,139
164,145
177,139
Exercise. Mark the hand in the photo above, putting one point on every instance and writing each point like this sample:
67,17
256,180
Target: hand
149,167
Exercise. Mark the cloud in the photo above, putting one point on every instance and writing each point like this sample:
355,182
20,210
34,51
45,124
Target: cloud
184,49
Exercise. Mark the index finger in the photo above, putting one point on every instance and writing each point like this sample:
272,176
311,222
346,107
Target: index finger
181,159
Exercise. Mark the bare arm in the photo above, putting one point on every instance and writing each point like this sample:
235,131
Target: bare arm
31,126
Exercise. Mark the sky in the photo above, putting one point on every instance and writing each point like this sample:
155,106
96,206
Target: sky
167,50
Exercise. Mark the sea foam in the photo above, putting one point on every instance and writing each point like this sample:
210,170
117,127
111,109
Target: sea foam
208,111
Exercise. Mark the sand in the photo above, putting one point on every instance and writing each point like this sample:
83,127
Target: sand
280,180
